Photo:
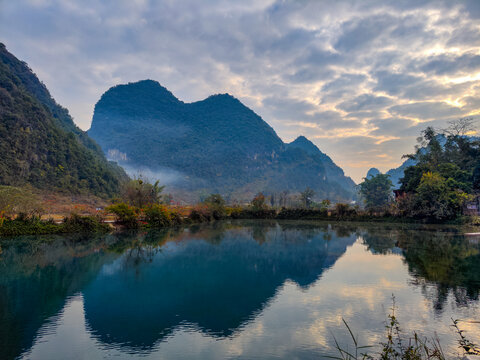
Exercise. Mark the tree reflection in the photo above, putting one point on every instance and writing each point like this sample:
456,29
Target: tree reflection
440,262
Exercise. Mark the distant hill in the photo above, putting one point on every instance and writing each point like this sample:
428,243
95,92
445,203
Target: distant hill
395,174
40,144
398,173
214,145
372,172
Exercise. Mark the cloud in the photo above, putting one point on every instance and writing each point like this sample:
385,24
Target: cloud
359,32
394,83
354,73
396,125
426,110
365,101
446,64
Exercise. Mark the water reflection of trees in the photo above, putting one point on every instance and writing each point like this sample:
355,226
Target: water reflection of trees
217,278
441,262
37,275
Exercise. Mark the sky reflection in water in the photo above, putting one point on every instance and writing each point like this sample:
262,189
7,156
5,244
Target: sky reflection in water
232,290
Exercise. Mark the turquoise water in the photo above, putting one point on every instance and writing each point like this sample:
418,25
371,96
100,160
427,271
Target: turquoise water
233,290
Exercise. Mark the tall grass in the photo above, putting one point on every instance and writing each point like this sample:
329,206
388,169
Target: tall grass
397,346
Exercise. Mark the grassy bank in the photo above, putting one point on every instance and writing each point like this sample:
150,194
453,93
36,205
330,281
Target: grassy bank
155,216
36,226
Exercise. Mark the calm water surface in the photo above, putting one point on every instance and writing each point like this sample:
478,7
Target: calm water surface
231,290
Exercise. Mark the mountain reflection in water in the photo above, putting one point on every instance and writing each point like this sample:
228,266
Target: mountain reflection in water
139,290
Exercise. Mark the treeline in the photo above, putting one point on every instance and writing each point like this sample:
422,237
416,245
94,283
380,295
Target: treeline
445,178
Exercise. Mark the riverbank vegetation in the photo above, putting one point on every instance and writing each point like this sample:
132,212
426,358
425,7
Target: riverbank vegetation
442,185
124,213
398,346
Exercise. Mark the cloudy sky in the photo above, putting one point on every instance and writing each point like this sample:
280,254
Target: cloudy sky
361,79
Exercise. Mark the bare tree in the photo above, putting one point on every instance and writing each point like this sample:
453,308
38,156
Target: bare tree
460,127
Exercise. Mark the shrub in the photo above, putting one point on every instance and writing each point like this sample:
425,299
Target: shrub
201,213
158,216
344,210
77,223
302,213
216,206
139,192
126,215
258,202
15,200
234,212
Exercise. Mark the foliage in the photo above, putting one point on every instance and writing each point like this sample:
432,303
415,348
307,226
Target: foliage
139,192
306,197
34,226
344,210
376,192
396,346
216,205
201,213
293,214
40,144
218,143
261,213
158,216
14,200
447,170
325,204
258,202
126,214
76,223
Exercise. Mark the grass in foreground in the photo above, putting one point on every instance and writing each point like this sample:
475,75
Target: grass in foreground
396,346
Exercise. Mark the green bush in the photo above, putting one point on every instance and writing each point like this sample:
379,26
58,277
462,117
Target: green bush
201,213
344,210
126,215
77,223
302,213
34,226
216,206
159,216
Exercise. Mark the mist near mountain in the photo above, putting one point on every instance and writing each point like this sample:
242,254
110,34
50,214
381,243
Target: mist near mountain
217,145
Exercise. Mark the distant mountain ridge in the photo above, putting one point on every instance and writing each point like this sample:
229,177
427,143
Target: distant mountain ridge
216,145
395,174
40,144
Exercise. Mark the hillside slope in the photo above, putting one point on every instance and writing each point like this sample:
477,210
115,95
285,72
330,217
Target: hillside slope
39,142
216,145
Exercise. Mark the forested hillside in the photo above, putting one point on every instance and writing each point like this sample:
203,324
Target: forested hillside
40,144
216,145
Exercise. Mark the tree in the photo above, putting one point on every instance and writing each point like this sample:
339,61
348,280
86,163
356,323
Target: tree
436,199
306,197
139,192
325,204
216,204
447,170
214,199
376,192
14,201
258,202
283,198
460,127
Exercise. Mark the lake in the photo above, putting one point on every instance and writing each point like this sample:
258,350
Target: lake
234,290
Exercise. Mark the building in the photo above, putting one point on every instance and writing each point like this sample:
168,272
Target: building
473,207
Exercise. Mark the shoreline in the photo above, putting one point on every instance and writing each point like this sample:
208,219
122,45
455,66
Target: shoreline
88,224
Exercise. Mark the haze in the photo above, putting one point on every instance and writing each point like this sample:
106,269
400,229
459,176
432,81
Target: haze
360,79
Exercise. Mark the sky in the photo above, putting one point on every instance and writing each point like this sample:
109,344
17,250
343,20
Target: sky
361,79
